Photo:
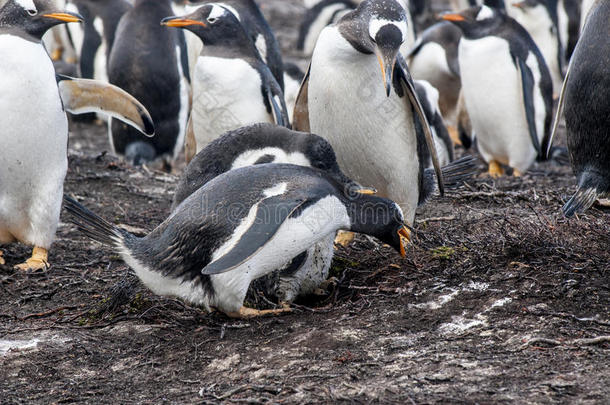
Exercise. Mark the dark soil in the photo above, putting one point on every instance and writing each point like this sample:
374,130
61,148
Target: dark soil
500,299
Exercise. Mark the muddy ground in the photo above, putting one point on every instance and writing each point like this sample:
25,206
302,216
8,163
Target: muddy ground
500,299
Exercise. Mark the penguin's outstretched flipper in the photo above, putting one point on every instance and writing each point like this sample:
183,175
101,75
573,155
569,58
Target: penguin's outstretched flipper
270,214
405,82
300,116
527,87
81,96
580,201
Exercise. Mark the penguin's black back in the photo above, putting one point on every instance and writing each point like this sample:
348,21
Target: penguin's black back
218,157
143,62
587,100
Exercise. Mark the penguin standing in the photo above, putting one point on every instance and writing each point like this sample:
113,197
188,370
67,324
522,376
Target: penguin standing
241,226
259,31
568,20
34,127
232,86
539,18
101,21
150,62
317,17
507,89
369,118
428,97
434,58
268,143
586,102
293,77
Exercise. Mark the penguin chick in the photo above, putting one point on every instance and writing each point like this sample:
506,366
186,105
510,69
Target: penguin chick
507,88
232,86
208,257
34,102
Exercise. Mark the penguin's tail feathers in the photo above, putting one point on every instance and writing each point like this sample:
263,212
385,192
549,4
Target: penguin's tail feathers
460,170
582,200
94,226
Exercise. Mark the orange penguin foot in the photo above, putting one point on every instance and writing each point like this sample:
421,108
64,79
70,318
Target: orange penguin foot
517,173
248,313
454,135
38,261
2,258
495,169
344,238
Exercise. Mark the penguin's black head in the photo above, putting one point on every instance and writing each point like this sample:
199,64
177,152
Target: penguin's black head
379,27
213,24
381,218
34,17
477,22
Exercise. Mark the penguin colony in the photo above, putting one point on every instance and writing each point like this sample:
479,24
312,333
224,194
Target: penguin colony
354,142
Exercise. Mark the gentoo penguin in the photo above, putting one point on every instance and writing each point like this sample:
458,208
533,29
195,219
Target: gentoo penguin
569,15
428,97
369,118
259,31
208,257
507,88
34,102
151,63
539,18
268,143
293,77
99,28
434,58
232,86
328,12
585,99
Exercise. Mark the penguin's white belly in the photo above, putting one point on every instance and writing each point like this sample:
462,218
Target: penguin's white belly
493,96
372,135
226,95
34,139
315,223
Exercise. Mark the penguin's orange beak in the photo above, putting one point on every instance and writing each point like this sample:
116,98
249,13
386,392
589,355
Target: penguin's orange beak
453,17
180,22
65,17
405,237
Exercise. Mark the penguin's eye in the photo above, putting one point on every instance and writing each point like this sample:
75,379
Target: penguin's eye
32,12
212,20
320,165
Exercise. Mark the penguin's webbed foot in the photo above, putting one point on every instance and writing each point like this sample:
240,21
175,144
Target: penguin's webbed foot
454,135
517,173
2,258
495,169
344,238
248,313
38,261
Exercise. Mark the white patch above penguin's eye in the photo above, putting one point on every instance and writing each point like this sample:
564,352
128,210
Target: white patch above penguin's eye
485,13
377,23
28,6
217,12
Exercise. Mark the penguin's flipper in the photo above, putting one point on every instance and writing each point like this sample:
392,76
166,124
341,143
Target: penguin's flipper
557,114
81,96
271,213
300,117
275,98
527,87
401,73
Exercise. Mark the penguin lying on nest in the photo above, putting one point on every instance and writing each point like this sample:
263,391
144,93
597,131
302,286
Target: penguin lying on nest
34,127
243,225
268,143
